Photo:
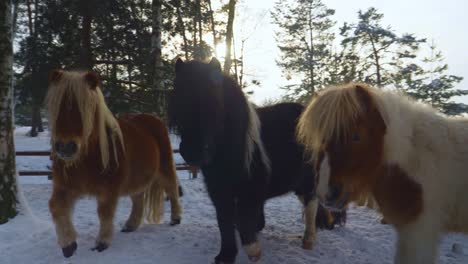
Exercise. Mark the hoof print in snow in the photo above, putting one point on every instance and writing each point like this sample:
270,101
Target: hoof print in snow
69,250
175,222
128,229
101,246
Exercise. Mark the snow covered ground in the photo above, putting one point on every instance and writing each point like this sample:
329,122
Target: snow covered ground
30,237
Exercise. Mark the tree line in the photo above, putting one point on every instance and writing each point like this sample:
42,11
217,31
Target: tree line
314,54
132,44
123,40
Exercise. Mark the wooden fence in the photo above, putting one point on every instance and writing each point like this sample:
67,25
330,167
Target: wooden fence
193,171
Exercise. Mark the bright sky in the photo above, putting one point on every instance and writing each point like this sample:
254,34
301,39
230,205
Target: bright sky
444,21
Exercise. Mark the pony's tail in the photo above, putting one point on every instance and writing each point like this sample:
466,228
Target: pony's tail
154,202
167,180
168,168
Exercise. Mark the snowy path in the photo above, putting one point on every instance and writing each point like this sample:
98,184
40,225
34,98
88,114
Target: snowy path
196,240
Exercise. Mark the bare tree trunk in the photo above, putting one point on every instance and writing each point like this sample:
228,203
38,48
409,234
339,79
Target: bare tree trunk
375,54
85,61
8,199
156,56
36,120
30,22
312,51
241,58
229,34
180,21
236,75
15,19
195,41
35,110
200,22
33,132
215,41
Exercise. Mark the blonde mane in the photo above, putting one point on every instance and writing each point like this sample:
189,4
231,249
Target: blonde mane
254,139
331,115
91,105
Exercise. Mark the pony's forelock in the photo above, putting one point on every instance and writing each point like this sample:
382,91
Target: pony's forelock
91,104
330,116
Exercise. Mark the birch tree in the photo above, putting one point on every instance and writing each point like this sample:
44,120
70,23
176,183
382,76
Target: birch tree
156,56
8,200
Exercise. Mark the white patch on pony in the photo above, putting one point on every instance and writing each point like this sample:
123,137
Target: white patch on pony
324,177
254,139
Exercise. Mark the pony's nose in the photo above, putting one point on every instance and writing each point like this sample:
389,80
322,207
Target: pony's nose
70,148
59,146
66,149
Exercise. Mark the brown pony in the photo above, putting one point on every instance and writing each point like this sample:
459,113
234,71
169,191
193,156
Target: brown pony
96,154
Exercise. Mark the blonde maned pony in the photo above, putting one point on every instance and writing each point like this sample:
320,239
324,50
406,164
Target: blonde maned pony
410,158
96,154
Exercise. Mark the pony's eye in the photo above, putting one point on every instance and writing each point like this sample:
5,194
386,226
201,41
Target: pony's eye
356,137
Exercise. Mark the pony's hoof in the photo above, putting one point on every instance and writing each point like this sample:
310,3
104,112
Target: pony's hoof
100,246
69,250
175,222
307,244
254,251
255,258
222,262
128,229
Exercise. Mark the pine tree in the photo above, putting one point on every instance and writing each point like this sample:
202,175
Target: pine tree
379,47
8,200
430,83
305,38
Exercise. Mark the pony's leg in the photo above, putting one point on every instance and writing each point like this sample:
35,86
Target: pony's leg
136,215
310,215
106,210
61,206
171,187
261,220
417,244
361,200
250,210
225,208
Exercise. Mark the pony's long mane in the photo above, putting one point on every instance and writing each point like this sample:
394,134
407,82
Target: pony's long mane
91,104
331,115
254,139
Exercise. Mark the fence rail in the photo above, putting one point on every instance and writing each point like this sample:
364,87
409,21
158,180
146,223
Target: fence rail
193,171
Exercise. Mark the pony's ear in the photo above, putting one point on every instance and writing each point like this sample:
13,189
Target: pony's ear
179,64
92,79
216,74
215,65
364,96
55,75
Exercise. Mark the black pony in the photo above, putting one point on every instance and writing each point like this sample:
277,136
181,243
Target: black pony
247,155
